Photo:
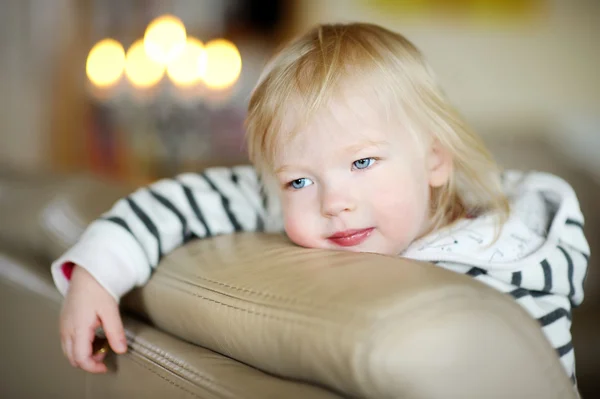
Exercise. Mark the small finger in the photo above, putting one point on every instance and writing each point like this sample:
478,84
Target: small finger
113,328
63,347
68,347
99,357
82,347
93,364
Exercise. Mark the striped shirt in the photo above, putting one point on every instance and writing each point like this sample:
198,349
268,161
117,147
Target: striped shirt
539,258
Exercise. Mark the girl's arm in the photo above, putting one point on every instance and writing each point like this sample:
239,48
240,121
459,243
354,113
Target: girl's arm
122,248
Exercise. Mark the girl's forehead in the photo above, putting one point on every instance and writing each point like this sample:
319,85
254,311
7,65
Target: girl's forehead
347,109
331,131
350,124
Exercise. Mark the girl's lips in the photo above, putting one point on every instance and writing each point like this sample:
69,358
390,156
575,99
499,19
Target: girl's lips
350,238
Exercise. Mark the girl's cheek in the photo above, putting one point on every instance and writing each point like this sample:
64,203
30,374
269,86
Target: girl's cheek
298,217
296,231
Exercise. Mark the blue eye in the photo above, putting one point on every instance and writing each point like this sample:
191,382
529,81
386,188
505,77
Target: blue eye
300,183
363,163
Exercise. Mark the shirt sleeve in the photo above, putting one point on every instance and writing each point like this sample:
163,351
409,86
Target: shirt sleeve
575,253
123,247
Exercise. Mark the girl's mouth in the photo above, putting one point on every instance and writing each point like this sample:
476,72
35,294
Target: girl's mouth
350,238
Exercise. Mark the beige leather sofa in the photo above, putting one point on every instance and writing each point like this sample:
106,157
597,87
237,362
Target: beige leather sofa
253,316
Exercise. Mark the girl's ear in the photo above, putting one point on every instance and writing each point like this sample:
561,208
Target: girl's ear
439,164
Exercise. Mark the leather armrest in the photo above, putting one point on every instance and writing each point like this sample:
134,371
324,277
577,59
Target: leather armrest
363,324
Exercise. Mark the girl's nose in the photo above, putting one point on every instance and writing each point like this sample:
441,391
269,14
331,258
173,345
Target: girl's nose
335,202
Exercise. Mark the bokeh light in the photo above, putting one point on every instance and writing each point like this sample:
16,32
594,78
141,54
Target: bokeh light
105,63
141,70
186,69
165,38
223,64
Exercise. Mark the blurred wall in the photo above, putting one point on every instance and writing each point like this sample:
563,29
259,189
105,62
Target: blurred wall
507,75
31,32
45,107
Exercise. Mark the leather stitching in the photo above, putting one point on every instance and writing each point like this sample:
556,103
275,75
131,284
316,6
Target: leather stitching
139,363
289,300
162,357
268,316
245,290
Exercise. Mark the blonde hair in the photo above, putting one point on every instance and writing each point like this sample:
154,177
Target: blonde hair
312,69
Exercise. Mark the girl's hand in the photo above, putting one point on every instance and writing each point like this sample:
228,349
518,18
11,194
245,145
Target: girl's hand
88,306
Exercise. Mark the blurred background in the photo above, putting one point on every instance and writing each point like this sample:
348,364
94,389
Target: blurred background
71,102
96,86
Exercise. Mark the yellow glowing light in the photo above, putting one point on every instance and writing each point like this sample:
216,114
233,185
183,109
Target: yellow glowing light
105,62
141,70
223,64
165,38
185,70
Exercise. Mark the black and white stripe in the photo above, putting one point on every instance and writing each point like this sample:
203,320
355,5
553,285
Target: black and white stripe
171,212
225,202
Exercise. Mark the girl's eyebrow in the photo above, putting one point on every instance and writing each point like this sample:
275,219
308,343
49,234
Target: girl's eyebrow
354,148
282,168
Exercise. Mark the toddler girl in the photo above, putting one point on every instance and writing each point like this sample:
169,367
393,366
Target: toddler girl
354,148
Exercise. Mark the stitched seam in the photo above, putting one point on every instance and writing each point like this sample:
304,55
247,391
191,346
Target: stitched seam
169,364
159,355
290,300
268,316
218,387
245,290
163,355
141,364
